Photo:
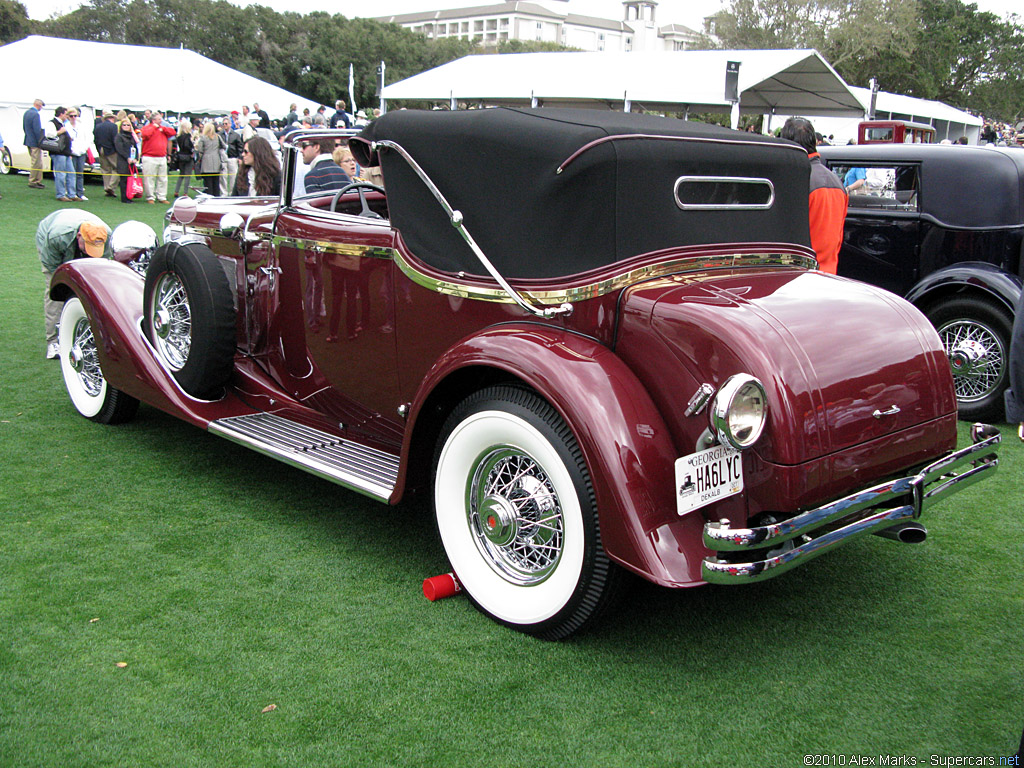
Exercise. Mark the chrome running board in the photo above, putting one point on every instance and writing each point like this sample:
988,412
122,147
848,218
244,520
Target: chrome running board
353,465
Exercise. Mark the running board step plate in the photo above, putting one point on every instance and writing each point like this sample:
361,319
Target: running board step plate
353,465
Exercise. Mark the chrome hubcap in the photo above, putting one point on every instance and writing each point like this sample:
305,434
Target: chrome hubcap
162,323
514,516
75,358
498,521
172,320
976,358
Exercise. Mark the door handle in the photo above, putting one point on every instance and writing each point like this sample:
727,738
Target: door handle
890,412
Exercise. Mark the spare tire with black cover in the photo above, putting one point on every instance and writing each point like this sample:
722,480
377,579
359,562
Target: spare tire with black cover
189,317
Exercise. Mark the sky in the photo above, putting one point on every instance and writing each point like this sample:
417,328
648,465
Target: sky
686,12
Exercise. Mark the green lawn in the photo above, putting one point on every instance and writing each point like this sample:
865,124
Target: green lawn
225,582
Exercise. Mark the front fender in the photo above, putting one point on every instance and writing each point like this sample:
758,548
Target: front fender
623,437
976,275
112,295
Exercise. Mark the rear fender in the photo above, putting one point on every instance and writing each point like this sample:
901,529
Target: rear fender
975,276
623,437
112,295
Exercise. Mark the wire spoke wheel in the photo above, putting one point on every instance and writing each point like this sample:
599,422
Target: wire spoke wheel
515,516
975,336
172,320
90,393
976,356
189,317
516,513
86,362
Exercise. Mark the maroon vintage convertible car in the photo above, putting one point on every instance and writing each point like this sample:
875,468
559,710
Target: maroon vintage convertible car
600,338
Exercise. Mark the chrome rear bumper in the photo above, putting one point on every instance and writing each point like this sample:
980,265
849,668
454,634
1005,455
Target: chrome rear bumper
871,511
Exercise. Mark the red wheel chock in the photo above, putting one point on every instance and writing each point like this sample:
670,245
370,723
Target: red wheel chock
438,587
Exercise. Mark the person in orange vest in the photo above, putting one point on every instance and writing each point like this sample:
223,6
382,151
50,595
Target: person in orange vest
828,198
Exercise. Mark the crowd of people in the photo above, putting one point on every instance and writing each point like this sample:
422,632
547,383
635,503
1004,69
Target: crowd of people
233,155
1001,134
237,155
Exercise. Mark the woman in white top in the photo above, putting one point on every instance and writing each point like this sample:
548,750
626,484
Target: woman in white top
80,140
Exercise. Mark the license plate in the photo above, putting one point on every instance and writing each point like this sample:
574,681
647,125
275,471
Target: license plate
707,476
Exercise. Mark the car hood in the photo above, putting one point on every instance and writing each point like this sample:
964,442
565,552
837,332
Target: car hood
842,362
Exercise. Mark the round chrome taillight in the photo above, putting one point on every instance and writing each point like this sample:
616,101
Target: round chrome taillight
739,411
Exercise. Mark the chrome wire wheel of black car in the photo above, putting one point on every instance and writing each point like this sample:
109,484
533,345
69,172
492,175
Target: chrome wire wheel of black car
516,514
189,317
89,391
976,337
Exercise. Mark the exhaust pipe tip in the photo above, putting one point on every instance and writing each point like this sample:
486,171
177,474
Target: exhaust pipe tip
907,533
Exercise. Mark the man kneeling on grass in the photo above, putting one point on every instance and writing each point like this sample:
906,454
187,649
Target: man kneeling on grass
67,234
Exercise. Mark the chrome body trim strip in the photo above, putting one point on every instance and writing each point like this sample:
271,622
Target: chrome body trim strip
329,247
692,266
914,494
189,229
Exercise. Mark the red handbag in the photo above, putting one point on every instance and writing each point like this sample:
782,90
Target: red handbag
134,185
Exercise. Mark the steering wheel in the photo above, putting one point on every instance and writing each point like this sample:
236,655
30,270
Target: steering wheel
361,187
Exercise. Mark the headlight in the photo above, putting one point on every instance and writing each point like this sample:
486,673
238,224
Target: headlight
739,411
133,243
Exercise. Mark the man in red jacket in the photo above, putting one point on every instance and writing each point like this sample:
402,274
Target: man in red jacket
154,158
828,200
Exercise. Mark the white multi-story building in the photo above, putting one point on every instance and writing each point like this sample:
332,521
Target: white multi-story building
490,25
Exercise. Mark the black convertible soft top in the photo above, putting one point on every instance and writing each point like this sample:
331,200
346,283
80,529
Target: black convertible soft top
556,192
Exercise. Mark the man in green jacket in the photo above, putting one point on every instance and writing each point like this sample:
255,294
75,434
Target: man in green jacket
67,234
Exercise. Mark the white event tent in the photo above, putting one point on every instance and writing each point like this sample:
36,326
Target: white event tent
949,122
97,76
772,82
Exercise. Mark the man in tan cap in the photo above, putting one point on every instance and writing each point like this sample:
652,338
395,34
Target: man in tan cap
67,234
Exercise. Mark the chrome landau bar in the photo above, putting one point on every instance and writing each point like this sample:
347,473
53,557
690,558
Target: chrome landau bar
912,495
455,217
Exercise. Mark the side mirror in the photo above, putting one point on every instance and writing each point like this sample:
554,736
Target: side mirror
184,210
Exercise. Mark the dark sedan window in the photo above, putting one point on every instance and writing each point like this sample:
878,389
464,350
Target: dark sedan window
886,187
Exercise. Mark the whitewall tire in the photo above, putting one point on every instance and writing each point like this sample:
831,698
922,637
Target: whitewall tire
89,391
516,514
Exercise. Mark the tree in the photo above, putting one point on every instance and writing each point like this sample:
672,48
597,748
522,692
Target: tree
307,54
945,50
14,22
958,42
844,31
1000,94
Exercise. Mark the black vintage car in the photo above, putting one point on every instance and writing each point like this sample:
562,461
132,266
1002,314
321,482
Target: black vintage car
943,227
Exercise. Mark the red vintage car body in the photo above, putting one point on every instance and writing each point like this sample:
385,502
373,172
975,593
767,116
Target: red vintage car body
341,327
